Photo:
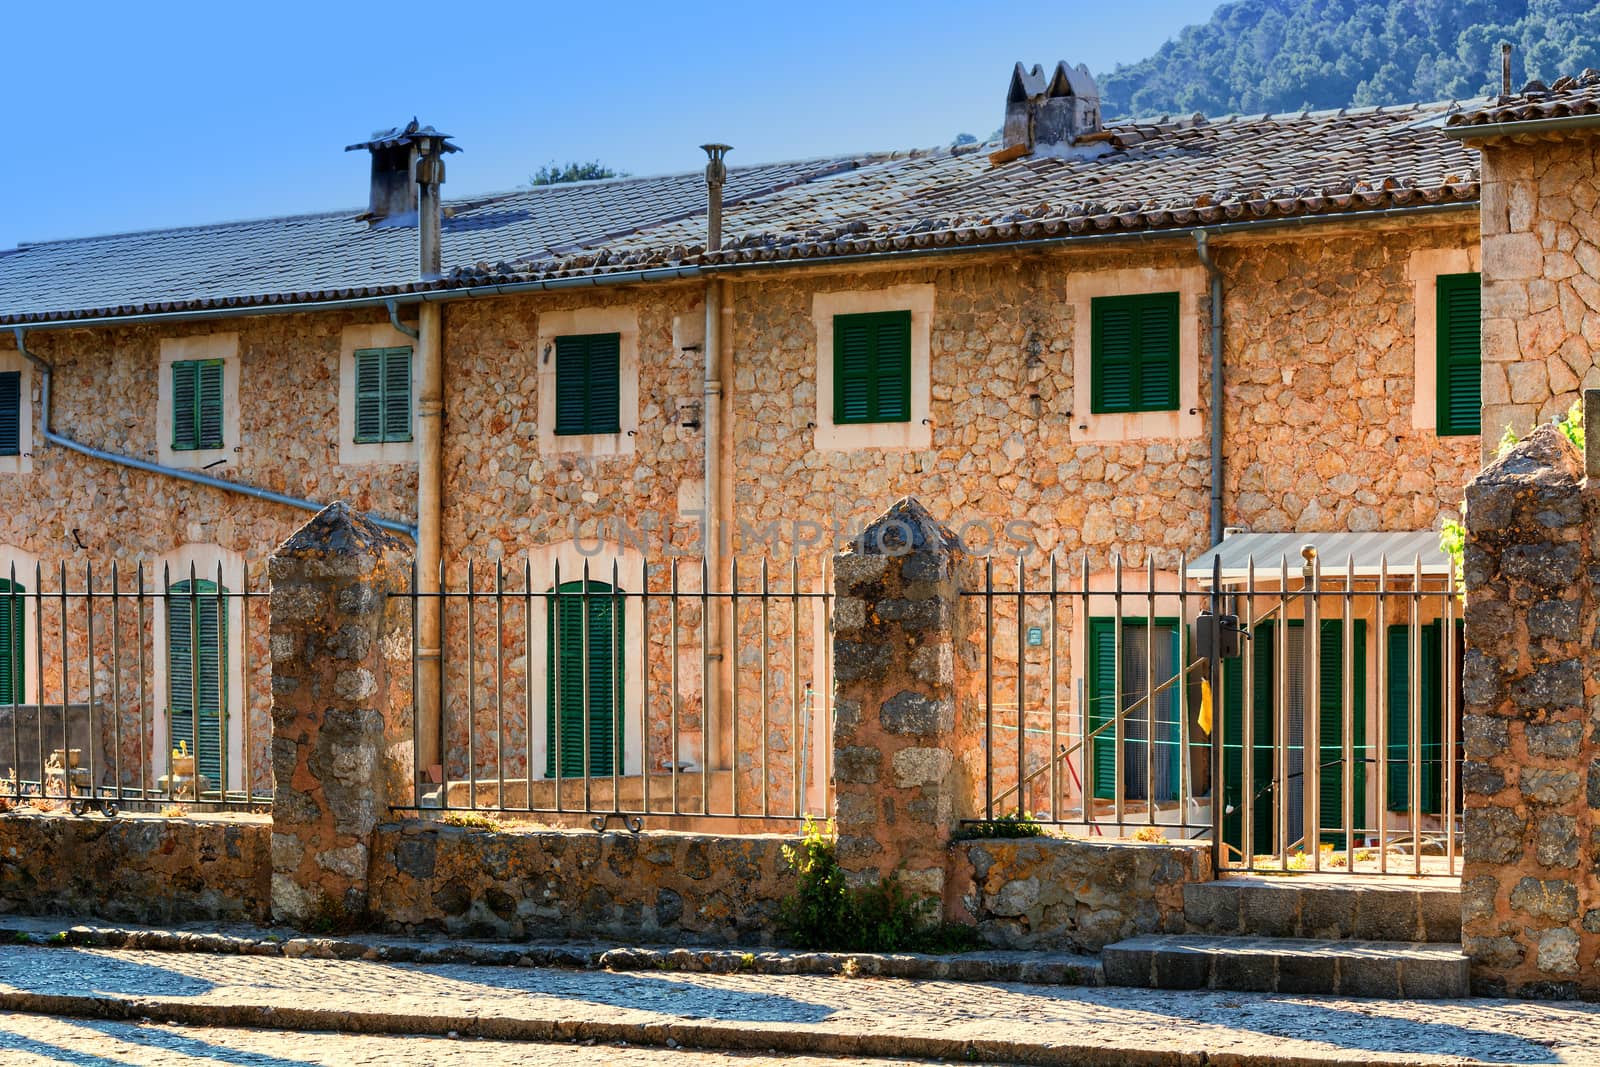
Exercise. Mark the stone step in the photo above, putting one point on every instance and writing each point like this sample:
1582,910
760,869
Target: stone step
1416,970
1305,906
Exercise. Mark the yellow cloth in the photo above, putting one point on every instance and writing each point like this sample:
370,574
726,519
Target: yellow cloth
1205,704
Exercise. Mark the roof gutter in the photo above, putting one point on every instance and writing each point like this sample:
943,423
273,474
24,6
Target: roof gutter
1489,131
47,373
687,272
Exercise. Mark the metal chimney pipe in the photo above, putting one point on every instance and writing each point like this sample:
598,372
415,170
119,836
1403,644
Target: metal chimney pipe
716,174
430,175
1505,70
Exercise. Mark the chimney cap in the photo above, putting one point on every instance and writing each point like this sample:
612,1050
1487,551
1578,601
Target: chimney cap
408,134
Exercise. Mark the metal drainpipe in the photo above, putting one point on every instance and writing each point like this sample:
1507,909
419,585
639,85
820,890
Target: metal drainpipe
46,375
712,742
1204,251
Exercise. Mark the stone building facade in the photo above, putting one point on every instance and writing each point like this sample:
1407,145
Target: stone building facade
1327,339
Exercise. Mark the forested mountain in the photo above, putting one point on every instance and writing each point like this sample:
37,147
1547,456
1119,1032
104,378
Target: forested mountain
1283,55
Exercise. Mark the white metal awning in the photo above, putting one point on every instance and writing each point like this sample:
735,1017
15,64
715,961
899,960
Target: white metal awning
1356,555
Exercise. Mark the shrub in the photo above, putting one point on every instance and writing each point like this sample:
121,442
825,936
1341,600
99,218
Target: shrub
1016,824
824,913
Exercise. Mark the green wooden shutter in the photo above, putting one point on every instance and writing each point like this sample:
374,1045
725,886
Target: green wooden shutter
369,396
604,668
605,383
13,661
1458,330
1133,353
201,610
589,384
11,413
1158,352
872,367
1101,684
185,405
1398,717
1263,648
1114,340
397,394
208,404
1331,696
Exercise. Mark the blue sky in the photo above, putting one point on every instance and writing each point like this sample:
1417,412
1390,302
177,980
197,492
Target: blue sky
135,116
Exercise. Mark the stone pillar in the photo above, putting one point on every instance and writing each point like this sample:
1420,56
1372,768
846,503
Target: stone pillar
1530,694
340,741
899,781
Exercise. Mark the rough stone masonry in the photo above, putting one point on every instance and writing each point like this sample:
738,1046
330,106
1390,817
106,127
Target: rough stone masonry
1531,723
335,735
899,782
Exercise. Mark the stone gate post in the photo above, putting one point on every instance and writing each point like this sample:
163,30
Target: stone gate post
1531,733
340,738
899,677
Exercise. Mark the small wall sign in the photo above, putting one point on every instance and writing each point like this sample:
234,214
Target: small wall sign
1035,636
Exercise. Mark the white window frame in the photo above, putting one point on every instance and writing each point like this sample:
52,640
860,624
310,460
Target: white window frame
22,462
223,346
352,340
204,558
1112,427
917,431
1424,268
621,320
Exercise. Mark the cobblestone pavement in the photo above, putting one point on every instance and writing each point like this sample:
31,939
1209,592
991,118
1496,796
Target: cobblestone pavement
794,1013
35,1040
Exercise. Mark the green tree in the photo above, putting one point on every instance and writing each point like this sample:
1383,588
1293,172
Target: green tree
553,173
1286,55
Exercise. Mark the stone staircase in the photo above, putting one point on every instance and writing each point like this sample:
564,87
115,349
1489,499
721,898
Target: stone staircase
1305,934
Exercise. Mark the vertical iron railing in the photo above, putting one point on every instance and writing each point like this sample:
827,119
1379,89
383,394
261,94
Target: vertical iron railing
87,657
594,696
1323,737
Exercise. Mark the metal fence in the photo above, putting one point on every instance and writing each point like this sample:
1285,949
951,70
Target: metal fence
130,688
652,693
1321,705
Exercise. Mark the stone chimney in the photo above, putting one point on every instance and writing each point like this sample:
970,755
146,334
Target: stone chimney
1050,114
393,197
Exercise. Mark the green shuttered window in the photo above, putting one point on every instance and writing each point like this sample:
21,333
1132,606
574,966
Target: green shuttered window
383,395
196,675
196,405
1137,651
1458,382
11,413
12,658
567,670
872,367
1134,353
589,384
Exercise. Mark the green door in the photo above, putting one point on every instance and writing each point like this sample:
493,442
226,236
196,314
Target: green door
1330,802
1137,645
1398,715
196,675
568,667
1330,741
12,658
1263,797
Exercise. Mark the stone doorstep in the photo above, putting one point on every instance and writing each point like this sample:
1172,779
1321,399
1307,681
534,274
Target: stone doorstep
1041,968
1295,906
1413,970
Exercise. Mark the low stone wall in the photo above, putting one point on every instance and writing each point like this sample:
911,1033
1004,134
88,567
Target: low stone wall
657,886
136,868
1068,893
